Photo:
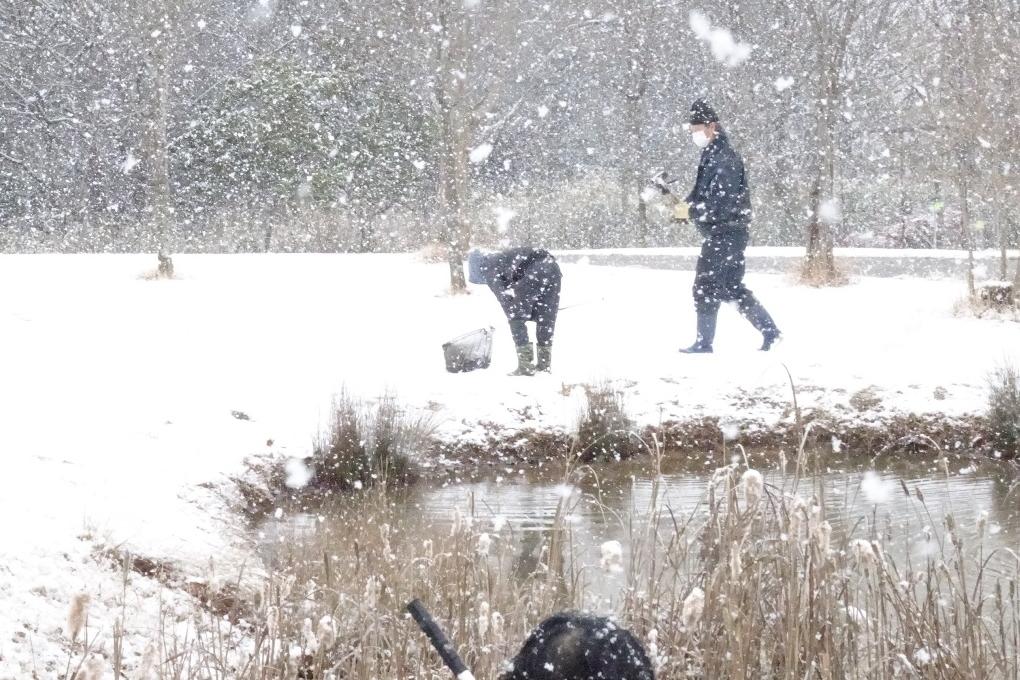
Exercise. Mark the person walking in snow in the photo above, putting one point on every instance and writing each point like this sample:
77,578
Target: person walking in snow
526,281
720,207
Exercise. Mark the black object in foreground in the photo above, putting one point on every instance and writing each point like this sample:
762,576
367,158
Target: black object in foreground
438,639
575,646
470,351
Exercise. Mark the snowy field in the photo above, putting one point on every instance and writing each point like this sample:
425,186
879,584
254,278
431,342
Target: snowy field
118,394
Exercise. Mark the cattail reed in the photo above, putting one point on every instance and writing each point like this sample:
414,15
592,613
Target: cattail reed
612,557
754,488
483,619
77,615
94,668
694,607
326,632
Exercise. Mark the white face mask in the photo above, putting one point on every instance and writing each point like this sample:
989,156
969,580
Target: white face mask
700,139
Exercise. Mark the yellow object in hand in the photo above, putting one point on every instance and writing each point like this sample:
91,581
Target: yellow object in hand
682,211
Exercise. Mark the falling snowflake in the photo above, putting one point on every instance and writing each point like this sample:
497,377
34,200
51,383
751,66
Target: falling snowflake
298,474
725,48
480,153
875,489
129,163
503,218
830,212
784,83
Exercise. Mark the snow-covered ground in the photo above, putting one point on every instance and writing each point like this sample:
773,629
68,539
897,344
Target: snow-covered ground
118,394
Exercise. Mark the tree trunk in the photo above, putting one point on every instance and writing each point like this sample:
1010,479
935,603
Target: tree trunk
1000,222
821,265
940,214
624,187
636,159
366,235
452,185
456,127
160,201
636,132
904,201
968,238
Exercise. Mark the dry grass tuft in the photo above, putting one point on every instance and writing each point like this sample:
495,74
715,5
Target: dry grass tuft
366,445
434,253
988,306
604,430
819,275
1004,410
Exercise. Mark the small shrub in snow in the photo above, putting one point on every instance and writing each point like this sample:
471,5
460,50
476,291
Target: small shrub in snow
604,430
367,446
989,303
340,457
166,265
997,295
1004,410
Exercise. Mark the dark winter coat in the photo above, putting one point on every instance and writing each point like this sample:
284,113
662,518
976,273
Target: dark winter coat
526,281
721,199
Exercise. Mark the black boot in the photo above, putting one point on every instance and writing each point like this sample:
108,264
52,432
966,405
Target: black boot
761,320
544,358
525,360
706,332
769,338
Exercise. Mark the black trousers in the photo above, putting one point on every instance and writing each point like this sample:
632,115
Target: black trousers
719,277
538,300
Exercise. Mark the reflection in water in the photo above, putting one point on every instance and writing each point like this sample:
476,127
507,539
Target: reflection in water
905,503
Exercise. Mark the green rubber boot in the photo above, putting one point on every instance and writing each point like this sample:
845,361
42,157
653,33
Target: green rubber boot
544,363
525,360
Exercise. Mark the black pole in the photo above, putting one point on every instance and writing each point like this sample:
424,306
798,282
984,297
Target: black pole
438,639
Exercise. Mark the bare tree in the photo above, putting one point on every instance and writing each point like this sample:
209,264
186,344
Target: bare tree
477,53
834,26
456,115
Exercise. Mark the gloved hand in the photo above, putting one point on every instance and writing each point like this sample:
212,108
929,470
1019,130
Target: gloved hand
661,182
682,211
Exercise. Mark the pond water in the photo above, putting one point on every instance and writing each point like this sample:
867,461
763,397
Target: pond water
863,499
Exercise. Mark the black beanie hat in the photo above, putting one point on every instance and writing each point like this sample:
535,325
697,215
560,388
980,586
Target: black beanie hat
702,113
